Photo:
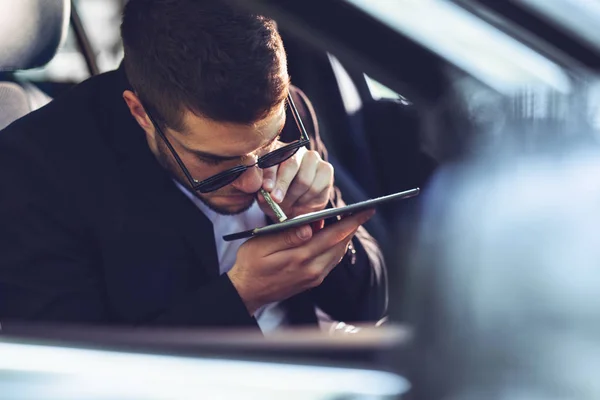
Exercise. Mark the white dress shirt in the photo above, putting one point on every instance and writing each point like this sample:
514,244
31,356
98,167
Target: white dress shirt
270,316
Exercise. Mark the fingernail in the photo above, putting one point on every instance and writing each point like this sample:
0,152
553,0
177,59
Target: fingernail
268,184
277,195
304,232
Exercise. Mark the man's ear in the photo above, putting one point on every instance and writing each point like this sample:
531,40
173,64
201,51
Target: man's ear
138,112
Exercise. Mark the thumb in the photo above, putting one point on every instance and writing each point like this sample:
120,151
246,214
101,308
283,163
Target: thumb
276,242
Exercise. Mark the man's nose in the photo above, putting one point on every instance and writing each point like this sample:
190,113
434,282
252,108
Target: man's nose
250,181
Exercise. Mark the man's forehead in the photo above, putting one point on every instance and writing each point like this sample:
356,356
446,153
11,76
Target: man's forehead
193,121
231,139
274,118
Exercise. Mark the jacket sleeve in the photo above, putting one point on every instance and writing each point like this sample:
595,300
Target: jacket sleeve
46,272
356,290
50,270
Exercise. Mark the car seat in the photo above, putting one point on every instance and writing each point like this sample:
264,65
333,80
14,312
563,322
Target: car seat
31,31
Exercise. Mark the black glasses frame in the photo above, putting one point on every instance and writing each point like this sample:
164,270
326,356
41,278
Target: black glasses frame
226,177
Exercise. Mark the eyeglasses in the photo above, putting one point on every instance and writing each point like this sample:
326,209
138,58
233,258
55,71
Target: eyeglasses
226,177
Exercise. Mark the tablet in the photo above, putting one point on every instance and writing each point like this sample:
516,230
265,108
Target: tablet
321,215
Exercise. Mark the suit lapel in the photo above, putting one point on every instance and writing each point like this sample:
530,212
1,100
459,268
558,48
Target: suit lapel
159,198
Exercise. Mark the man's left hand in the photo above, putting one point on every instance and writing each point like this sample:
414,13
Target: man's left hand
299,185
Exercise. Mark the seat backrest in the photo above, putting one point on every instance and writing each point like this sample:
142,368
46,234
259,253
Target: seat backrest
31,31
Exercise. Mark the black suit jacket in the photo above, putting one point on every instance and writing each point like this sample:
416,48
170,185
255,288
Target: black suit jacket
93,230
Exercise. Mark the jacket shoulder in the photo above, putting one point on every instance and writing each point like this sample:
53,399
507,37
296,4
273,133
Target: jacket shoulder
67,114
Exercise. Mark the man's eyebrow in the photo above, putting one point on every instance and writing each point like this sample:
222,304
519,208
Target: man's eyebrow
216,157
211,156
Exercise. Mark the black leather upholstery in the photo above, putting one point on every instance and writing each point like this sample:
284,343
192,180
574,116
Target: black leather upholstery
31,32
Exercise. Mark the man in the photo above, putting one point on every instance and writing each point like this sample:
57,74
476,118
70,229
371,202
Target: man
116,196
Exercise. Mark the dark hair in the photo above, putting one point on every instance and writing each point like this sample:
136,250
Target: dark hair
205,56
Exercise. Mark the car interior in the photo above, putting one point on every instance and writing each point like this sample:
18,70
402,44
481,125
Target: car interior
28,44
396,105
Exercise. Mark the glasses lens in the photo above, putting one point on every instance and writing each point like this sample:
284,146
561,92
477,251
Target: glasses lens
218,181
278,156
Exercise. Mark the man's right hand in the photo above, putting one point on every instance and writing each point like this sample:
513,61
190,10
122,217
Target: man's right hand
275,267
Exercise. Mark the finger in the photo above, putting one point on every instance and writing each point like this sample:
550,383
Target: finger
317,226
330,259
320,266
277,242
285,175
320,190
318,203
269,177
304,180
337,232
313,267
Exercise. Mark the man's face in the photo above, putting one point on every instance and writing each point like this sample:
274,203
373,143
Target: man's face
207,148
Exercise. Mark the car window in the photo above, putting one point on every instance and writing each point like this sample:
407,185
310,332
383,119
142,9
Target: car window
469,43
350,95
379,91
578,16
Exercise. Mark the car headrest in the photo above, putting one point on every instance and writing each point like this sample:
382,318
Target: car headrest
31,31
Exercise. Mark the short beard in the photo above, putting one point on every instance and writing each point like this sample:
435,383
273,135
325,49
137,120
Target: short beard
223,211
165,159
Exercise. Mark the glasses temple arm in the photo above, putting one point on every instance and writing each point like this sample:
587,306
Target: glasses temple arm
297,118
173,152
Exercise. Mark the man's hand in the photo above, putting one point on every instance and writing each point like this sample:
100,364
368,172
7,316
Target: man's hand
275,267
299,185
